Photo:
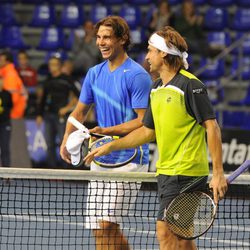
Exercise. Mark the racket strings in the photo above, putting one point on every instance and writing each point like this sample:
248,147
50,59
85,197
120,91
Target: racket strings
190,214
115,158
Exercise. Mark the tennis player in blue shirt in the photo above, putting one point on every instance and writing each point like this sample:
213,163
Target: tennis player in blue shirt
119,88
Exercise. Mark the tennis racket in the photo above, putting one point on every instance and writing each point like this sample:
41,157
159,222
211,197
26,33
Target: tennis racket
116,158
192,213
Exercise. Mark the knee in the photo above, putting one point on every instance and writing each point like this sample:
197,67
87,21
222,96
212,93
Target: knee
106,228
107,225
186,244
163,233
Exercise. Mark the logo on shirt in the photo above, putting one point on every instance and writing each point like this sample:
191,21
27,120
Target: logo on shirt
198,91
126,70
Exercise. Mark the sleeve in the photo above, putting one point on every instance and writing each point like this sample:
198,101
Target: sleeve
86,95
197,102
73,87
42,100
148,120
140,89
16,89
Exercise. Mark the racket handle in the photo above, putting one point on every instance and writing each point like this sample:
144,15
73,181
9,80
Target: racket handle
242,168
81,127
77,124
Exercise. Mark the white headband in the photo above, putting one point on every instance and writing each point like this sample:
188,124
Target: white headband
158,42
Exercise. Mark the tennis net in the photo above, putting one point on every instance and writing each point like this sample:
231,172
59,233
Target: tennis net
47,209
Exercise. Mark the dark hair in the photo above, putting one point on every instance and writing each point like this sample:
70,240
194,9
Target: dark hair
22,52
188,2
119,26
173,38
164,1
56,57
8,56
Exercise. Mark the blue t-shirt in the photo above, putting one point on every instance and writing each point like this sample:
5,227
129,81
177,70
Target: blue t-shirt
116,94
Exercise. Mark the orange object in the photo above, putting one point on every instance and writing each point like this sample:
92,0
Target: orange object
13,83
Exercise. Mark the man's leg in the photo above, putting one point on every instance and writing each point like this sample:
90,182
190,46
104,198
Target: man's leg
110,237
5,130
116,201
168,188
60,128
168,241
107,203
50,135
5,144
187,244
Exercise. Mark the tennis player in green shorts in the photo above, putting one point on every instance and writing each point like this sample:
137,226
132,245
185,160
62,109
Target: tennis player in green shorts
179,117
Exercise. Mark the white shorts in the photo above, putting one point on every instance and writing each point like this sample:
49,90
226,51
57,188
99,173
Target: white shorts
110,201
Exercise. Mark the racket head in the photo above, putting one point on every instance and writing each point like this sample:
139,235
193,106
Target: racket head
116,158
190,214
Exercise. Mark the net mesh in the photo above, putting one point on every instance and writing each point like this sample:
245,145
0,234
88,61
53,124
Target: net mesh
49,209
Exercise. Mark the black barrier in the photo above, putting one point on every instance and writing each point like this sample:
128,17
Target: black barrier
236,147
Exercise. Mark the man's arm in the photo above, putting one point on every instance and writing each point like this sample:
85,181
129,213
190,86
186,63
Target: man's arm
137,137
79,113
124,128
70,105
41,97
218,182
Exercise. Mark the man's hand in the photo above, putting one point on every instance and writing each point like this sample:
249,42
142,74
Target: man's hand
39,120
63,111
97,130
219,185
103,150
64,153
